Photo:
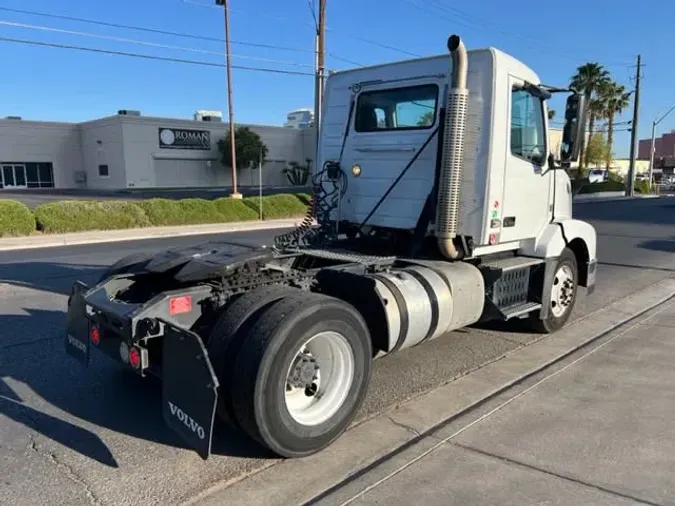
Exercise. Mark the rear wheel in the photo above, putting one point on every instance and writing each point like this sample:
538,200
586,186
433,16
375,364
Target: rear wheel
302,374
228,334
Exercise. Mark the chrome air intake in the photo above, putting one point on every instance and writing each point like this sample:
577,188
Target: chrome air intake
450,177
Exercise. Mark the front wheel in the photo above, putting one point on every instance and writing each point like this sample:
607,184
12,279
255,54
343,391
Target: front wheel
561,287
302,374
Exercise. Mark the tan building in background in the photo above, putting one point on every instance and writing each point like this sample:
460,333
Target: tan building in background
619,165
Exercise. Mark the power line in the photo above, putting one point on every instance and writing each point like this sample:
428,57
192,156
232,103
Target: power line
327,28
150,30
144,43
167,32
151,57
464,18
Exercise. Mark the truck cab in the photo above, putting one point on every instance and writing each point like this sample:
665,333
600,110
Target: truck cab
376,119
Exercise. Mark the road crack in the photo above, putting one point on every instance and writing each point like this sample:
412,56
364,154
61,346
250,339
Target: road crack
404,426
67,470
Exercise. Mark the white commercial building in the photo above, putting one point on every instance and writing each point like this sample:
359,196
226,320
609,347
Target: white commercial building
300,118
133,151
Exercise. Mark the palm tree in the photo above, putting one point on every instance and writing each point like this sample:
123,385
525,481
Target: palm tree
587,79
614,99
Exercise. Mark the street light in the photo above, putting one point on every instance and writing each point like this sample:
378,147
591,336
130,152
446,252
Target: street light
651,152
224,4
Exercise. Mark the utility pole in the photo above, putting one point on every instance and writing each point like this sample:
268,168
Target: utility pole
224,4
630,190
653,146
651,154
320,48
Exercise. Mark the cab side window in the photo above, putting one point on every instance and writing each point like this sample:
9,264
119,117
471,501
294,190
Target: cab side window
406,108
528,135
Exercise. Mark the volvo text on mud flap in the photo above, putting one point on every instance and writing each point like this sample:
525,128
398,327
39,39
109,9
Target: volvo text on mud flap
189,388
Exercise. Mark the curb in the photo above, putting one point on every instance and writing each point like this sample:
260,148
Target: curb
137,234
342,469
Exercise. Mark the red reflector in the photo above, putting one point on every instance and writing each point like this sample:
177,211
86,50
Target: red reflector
134,358
180,305
95,335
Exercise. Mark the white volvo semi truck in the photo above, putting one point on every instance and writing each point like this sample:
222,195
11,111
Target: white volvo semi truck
438,203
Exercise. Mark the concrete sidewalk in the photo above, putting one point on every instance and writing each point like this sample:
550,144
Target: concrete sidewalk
598,429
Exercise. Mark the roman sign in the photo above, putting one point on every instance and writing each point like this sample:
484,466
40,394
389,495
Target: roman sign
179,138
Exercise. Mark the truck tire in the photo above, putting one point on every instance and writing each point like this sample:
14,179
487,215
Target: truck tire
302,374
227,335
563,287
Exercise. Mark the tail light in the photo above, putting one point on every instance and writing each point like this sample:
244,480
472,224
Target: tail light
95,335
134,357
180,305
138,357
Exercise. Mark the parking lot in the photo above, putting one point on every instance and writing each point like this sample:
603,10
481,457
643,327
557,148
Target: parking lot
96,436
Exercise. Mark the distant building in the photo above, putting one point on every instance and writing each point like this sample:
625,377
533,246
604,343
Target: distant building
555,142
300,118
129,150
202,115
664,146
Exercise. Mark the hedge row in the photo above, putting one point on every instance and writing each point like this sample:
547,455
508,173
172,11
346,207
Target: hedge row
16,219
641,187
605,186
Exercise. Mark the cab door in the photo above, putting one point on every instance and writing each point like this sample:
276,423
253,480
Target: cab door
392,123
526,206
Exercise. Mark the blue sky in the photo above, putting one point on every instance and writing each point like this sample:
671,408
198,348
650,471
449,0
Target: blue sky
63,84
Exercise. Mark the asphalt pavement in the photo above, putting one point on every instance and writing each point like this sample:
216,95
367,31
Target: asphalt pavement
96,436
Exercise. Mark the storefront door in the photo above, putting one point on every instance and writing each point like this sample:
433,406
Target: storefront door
13,176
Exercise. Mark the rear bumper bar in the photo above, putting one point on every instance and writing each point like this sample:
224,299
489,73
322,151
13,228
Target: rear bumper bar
189,383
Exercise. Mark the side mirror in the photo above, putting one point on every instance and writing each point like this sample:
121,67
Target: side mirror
574,129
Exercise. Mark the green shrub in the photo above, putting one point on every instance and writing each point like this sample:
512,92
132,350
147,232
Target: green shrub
642,187
613,176
305,198
198,211
578,183
166,212
162,212
607,186
15,219
82,215
277,207
235,210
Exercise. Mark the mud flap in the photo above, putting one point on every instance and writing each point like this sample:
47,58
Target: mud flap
77,325
189,388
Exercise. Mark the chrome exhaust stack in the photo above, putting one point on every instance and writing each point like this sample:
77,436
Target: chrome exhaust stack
450,177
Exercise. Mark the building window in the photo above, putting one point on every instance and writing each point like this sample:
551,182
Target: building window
528,135
26,175
103,171
410,108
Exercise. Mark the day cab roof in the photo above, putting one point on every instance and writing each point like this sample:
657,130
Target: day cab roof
411,67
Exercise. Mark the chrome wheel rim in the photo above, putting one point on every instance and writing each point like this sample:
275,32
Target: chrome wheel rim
319,378
562,291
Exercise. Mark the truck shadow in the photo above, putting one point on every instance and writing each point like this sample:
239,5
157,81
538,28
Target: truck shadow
104,395
68,434
663,245
48,277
